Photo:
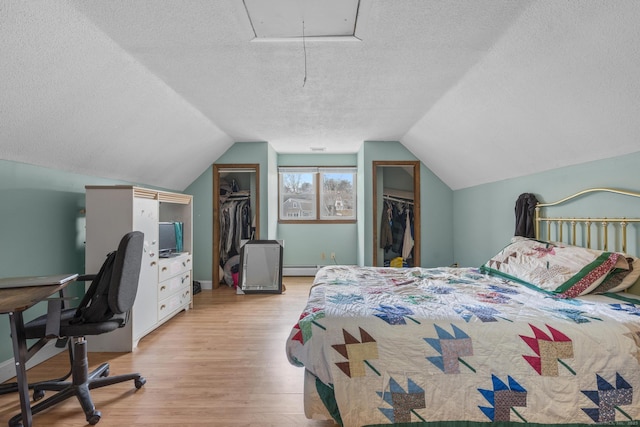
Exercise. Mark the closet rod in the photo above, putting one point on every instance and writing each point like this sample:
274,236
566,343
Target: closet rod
397,199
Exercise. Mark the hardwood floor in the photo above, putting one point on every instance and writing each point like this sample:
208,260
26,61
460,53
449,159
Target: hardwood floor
223,363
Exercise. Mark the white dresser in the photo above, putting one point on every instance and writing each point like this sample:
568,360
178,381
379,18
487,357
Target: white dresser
174,287
165,286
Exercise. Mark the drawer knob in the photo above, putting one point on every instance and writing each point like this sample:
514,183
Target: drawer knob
164,268
162,288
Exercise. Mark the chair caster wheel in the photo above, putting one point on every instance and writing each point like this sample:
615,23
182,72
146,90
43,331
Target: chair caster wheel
140,382
94,418
37,395
105,373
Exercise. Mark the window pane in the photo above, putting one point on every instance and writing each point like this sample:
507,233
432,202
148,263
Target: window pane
338,195
297,196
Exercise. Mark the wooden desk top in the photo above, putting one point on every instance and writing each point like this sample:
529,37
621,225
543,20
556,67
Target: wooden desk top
19,299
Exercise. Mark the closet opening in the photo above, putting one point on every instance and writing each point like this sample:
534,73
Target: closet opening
236,214
396,213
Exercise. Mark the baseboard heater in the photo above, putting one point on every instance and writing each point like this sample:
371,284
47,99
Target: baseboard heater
300,270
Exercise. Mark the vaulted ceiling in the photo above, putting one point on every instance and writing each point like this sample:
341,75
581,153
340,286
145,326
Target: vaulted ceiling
154,91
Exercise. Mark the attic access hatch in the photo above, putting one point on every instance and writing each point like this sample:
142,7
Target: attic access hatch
279,20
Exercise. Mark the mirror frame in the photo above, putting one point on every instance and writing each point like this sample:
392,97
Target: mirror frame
275,287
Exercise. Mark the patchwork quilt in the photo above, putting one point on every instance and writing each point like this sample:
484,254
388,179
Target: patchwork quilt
416,345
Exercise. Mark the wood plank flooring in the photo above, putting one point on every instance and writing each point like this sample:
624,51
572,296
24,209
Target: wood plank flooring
220,364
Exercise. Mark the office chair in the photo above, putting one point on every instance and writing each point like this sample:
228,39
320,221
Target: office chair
104,308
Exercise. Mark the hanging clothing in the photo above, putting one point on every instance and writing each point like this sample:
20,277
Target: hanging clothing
235,225
397,228
525,211
407,244
386,239
225,190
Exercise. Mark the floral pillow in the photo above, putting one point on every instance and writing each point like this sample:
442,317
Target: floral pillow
554,267
620,279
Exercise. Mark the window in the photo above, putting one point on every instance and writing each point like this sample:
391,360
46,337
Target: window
337,193
298,193
319,194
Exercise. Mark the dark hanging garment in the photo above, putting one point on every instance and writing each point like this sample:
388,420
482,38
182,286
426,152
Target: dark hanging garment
525,211
386,240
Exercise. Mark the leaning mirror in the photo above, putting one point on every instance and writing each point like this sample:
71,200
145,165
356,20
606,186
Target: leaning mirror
260,267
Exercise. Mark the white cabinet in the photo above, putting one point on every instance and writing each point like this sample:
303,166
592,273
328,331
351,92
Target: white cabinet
174,287
165,286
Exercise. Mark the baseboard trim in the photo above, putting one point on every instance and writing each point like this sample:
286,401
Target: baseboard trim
306,270
206,284
8,367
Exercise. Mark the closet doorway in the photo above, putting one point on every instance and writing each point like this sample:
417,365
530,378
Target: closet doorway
396,213
236,215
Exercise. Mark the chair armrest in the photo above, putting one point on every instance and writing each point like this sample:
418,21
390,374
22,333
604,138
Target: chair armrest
54,312
86,277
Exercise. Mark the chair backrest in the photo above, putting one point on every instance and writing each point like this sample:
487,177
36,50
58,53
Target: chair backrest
126,272
113,290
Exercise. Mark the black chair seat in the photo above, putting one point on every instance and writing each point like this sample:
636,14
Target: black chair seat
37,327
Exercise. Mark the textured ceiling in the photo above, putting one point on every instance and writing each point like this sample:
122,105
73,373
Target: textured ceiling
153,92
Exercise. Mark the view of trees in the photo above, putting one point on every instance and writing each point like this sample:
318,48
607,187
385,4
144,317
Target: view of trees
337,195
298,195
297,183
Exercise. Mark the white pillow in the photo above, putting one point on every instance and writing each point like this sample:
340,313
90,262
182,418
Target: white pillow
553,267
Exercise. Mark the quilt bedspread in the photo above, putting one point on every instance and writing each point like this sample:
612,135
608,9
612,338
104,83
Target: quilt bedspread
452,344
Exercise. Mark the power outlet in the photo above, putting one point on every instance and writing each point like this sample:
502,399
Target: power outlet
333,255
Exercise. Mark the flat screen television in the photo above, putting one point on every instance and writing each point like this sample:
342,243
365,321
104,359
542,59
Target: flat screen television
169,239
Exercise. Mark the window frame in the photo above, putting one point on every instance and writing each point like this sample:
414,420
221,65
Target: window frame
318,173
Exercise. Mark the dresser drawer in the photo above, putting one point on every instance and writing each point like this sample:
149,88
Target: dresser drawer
174,302
173,285
170,267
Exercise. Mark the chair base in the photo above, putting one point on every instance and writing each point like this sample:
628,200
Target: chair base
82,381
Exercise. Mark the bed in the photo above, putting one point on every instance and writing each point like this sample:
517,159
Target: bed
546,332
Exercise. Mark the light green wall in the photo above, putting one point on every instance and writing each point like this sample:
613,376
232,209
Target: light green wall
362,202
272,189
436,216
436,220
484,216
202,191
42,228
304,244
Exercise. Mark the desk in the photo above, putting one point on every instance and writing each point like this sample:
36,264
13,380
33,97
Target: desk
14,301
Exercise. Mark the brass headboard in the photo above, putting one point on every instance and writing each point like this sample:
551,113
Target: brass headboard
589,231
